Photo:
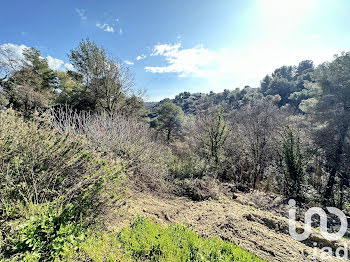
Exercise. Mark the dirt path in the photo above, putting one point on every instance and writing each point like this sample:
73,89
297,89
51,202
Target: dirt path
258,231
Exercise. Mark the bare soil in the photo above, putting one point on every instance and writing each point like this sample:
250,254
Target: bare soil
246,221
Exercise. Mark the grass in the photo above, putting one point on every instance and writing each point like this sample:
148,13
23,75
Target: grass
146,240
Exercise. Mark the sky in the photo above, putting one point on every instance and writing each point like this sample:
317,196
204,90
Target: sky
173,46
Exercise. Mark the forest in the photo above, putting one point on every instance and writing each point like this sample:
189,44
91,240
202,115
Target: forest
76,144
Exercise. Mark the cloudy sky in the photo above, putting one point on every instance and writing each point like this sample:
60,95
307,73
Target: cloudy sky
183,45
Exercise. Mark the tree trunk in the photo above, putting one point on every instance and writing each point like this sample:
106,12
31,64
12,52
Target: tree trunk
168,135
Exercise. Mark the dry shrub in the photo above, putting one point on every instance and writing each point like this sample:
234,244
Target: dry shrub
198,189
146,159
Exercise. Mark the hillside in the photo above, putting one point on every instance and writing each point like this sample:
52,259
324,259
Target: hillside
241,221
89,172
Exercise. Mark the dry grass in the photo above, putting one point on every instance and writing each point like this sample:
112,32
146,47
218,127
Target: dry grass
260,232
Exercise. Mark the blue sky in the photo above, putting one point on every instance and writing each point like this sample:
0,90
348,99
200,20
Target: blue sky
184,45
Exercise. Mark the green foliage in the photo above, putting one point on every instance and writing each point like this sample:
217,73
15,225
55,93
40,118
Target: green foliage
40,68
216,133
189,166
289,82
98,247
332,112
46,236
72,93
32,85
170,119
98,82
3,100
293,159
148,241
105,82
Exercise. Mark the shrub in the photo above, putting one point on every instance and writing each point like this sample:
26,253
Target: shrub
188,166
197,189
52,186
44,237
39,166
129,138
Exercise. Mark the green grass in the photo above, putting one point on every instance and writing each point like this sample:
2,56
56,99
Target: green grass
146,240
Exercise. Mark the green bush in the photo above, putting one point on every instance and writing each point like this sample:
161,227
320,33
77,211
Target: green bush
44,237
188,166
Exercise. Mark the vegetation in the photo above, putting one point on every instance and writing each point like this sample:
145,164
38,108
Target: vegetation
51,187
258,153
294,174
72,143
145,240
170,117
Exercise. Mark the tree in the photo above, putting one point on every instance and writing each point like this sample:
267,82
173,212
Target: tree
282,87
294,172
332,112
170,117
9,63
304,67
258,126
33,84
39,67
216,132
289,82
264,84
106,82
134,106
287,72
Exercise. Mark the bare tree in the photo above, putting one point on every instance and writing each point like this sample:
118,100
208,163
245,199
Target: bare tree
258,127
8,63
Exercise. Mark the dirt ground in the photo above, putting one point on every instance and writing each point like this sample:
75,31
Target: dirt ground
242,221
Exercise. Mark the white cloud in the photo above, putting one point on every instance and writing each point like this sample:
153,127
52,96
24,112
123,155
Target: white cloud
230,68
17,55
81,13
109,29
128,62
68,66
161,49
16,50
54,63
120,31
182,61
141,57
105,27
